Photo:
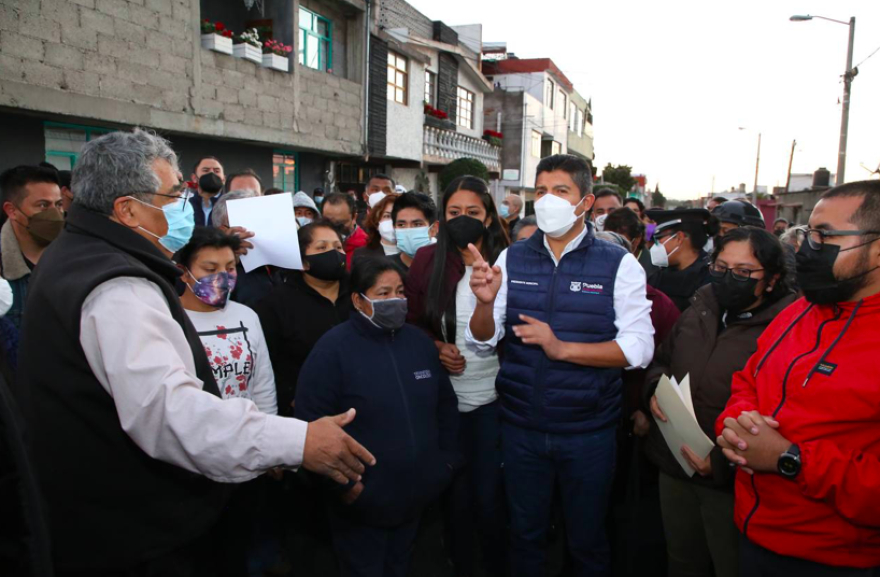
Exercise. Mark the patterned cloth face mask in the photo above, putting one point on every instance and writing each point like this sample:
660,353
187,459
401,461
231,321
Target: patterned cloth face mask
214,289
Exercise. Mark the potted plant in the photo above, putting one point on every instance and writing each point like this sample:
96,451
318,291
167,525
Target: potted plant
437,118
247,45
492,137
216,37
276,55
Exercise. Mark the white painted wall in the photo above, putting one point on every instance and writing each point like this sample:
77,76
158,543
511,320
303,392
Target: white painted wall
405,122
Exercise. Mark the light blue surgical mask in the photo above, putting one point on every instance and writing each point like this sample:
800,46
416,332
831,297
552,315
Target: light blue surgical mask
181,222
410,240
504,211
303,220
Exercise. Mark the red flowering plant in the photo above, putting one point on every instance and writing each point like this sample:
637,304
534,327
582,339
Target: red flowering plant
435,112
493,137
277,48
209,27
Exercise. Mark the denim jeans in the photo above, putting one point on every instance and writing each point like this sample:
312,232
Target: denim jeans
582,464
475,498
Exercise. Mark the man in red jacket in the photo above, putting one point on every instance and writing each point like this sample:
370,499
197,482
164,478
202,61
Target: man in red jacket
803,422
339,209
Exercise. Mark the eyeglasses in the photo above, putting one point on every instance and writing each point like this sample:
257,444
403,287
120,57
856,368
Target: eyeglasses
738,274
185,194
816,237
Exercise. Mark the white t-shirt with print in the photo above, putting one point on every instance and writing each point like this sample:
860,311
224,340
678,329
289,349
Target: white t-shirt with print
236,348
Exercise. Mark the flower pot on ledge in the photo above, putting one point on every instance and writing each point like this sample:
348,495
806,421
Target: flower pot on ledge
276,62
441,123
217,43
248,52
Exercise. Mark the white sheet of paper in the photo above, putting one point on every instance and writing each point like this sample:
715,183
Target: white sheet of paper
682,427
272,220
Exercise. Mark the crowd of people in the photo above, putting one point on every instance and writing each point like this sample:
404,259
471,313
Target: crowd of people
166,412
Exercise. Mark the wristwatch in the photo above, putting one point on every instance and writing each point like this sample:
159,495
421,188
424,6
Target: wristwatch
789,463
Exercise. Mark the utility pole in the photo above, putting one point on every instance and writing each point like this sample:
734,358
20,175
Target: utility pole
847,90
790,160
757,166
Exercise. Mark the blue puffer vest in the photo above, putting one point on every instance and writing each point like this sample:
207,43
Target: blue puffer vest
576,299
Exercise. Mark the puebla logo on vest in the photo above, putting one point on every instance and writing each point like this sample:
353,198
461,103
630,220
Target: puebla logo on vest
586,288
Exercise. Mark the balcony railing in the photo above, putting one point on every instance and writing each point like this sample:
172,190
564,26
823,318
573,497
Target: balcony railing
444,146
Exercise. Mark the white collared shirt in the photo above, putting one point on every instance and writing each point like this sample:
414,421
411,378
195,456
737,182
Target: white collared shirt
142,358
632,309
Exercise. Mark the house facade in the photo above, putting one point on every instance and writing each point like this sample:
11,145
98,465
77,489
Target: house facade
70,71
540,114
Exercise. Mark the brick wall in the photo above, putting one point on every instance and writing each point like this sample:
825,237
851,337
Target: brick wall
139,62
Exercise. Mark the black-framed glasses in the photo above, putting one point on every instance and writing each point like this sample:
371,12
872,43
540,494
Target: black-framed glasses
185,194
739,274
816,236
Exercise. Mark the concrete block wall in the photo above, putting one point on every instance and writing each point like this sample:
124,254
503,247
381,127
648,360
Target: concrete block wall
139,62
401,14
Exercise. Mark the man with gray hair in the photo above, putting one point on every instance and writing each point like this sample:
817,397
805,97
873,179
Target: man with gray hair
130,438
509,210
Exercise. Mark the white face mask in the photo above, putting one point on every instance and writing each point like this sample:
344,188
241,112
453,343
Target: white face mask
555,215
375,198
386,231
600,222
659,257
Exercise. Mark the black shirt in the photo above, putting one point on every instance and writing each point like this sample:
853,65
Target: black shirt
681,285
294,316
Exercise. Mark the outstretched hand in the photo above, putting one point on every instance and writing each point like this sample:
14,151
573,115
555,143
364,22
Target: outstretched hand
333,453
485,279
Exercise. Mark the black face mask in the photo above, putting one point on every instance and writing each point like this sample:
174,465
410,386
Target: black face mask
732,295
210,183
464,230
341,228
815,275
327,266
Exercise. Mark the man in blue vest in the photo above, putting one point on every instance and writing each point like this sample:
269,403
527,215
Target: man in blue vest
575,315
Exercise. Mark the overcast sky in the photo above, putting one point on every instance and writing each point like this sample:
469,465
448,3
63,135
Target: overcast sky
672,82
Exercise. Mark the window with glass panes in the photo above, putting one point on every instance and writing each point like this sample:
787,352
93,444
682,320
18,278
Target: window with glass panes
563,104
315,41
548,96
464,110
579,123
284,174
430,88
398,73
65,141
536,144
572,116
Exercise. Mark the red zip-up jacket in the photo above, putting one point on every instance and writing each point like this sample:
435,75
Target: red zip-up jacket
817,371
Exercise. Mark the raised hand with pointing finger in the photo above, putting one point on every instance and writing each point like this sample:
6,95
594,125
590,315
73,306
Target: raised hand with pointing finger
485,280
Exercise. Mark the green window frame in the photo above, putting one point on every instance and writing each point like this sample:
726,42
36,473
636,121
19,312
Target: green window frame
315,41
285,170
63,152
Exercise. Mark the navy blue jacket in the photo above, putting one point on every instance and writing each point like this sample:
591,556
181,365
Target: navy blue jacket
407,413
199,212
576,299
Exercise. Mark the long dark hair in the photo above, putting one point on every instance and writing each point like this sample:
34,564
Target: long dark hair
440,301
768,251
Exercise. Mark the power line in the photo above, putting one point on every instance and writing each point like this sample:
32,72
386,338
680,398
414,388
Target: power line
866,59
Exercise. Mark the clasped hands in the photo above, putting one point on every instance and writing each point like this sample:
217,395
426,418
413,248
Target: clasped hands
752,442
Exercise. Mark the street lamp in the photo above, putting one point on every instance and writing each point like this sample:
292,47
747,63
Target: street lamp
848,76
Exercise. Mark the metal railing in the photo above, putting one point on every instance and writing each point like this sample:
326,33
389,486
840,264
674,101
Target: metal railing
444,146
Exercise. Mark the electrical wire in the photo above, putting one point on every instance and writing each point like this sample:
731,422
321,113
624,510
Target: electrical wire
866,59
